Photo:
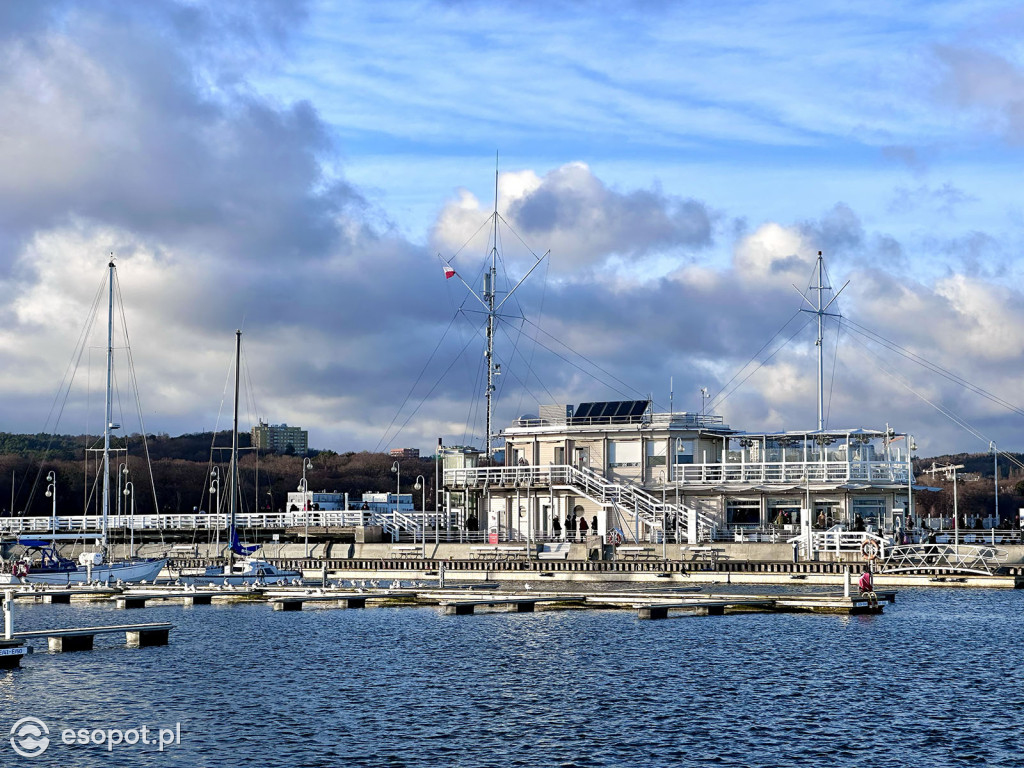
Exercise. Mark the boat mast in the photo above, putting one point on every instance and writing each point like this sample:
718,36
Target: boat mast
821,311
489,291
109,416
492,306
234,453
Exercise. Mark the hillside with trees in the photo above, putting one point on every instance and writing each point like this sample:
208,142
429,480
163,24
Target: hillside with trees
181,468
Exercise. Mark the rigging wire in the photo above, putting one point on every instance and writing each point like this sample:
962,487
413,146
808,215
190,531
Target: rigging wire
832,381
720,398
933,367
415,384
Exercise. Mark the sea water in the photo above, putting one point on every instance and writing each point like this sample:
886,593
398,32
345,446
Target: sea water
934,681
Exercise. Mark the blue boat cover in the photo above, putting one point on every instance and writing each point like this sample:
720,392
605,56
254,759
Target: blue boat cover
237,547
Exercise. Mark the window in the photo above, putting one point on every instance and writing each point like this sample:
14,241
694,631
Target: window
623,453
560,455
745,512
655,453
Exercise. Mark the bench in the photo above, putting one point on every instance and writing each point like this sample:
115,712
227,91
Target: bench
714,554
511,552
554,552
634,552
479,552
406,550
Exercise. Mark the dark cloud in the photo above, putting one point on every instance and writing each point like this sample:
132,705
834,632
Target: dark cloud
634,224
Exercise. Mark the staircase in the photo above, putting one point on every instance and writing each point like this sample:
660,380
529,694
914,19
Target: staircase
642,512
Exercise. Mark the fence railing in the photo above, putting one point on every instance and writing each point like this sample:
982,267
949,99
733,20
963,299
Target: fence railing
792,473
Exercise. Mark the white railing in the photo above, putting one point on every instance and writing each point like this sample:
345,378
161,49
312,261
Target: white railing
952,558
641,505
92,524
839,540
790,473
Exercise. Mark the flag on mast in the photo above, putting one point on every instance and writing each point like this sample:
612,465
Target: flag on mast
449,271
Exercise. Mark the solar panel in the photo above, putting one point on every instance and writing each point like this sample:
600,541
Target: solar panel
610,412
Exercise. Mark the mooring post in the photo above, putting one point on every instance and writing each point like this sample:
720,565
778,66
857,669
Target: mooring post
440,575
8,614
846,581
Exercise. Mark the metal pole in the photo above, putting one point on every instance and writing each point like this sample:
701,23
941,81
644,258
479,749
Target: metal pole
107,423
956,521
995,481
8,614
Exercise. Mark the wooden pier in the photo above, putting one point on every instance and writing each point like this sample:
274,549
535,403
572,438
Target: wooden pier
81,638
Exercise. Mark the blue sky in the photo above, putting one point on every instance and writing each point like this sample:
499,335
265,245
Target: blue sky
296,168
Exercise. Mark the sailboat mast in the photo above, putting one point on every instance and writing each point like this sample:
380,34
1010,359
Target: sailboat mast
821,347
109,415
489,293
234,449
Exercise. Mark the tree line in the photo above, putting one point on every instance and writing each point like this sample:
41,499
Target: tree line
181,474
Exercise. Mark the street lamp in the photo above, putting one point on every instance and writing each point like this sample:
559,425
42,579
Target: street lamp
304,487
421,483
214,488
122,474
664,518
51,490
397,469
129,490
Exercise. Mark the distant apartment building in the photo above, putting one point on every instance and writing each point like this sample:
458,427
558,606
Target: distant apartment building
405,453
277,438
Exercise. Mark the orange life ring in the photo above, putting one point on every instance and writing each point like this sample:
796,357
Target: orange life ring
869,548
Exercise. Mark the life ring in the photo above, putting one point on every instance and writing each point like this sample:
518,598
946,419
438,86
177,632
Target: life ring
615,538
20,569
869,548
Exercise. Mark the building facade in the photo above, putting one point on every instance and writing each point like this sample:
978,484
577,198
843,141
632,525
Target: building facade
404,453
635,474
276,438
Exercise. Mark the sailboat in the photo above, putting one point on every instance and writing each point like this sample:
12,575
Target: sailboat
52,567
249,569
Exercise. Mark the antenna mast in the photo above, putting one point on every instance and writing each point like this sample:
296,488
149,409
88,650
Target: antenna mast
491,304
820,311
489,291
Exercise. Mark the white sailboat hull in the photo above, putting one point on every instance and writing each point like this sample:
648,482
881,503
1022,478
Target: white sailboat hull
127,571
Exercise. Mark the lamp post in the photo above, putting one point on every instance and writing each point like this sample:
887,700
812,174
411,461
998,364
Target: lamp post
911,447
664,519
51,491
304,487
995,480
129,491
397,469
421,483
122,474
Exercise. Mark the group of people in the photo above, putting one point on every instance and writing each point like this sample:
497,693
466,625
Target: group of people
575,527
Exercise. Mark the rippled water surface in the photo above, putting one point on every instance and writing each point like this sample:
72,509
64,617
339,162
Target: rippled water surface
935,681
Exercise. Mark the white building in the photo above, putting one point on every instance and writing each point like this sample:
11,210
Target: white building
637,472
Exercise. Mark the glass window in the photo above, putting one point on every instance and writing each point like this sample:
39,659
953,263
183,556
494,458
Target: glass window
744,512
655,453
623,453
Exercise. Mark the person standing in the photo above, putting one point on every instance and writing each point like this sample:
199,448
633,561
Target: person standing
583,527
556,527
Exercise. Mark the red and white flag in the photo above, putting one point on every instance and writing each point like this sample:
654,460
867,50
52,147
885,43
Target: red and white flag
449,271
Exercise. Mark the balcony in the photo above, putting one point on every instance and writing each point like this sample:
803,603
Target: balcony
792,473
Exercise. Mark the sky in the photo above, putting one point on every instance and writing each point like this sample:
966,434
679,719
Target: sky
669,170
